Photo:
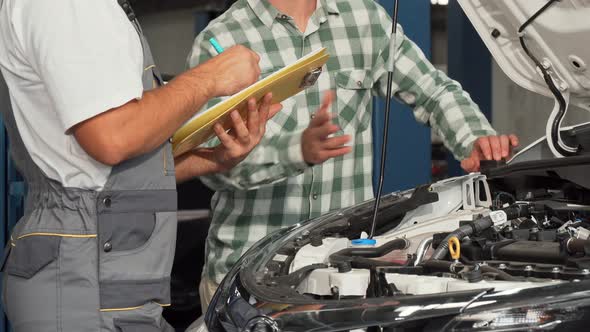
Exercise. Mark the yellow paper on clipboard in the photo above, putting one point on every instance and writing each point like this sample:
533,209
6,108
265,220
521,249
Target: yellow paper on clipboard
283,84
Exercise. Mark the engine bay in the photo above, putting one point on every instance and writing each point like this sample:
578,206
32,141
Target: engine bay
460,234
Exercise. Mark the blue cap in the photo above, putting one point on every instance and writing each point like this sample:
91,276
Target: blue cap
363,242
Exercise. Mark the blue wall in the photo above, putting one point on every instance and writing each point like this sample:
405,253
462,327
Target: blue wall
11,190
3,203
408,153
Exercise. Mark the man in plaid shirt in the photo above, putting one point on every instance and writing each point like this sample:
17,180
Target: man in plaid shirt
317,155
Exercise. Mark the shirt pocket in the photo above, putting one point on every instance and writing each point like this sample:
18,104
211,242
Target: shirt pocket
353,96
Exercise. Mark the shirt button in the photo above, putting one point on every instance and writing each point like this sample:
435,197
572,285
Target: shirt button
284,17
107,247
312,115
107,201
359,83
315,196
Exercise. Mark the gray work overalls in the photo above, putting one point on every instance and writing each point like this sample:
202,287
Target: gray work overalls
83,260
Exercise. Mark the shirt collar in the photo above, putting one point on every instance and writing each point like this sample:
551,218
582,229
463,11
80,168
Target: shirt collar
267,13
329,6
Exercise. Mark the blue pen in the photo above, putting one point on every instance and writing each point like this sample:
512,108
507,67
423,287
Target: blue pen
216,45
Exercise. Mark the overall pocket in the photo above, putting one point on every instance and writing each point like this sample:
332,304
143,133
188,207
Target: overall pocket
146,318
30,283
136,255
353,94
137,325
140,325
30,254
125,231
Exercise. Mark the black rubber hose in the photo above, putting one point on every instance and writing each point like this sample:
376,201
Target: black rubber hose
443,266
463,231
360,257
555,130
395,244
577,246
499,273
512,212
446,266
369,263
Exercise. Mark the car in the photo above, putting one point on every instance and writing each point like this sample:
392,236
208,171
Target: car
507,249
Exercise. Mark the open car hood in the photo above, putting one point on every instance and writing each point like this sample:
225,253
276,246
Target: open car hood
558,38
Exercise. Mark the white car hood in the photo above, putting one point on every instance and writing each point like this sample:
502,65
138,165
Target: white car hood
559,37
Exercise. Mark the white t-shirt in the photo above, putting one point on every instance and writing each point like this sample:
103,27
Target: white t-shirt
66,61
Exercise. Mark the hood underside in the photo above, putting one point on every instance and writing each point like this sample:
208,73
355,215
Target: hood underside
559,38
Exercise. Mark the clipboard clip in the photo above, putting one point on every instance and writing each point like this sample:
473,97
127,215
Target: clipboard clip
310,78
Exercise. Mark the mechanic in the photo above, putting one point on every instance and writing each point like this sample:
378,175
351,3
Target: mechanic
303,168
89,128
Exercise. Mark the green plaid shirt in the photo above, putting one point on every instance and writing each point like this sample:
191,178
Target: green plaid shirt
273,187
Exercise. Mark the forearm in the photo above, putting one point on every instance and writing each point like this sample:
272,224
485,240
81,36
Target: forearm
162,111
140,126
451,112
194,164
436,99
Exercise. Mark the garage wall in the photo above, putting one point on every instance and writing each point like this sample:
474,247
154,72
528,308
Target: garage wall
171,36
409,149
516,110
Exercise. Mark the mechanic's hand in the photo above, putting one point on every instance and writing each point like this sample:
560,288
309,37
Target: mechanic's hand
243,137
316,144
489,148
232,70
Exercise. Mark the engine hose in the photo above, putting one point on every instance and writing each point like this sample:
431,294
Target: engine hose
577,246
443,266
360,257
368,263
463,231
499,273
456,267
512,212
374,252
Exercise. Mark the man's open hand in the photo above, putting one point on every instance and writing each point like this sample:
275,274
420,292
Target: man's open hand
489,148
316,144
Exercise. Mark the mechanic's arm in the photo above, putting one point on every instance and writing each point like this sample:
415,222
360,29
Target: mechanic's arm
276,157
142,125
440,102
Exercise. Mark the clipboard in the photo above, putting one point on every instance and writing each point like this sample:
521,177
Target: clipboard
283,84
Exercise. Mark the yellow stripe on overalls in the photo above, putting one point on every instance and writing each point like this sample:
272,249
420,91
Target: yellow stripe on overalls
78,236
131,308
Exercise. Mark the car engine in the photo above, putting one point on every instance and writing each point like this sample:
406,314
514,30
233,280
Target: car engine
460,234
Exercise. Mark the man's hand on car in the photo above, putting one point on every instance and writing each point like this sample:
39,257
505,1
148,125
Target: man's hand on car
489,148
